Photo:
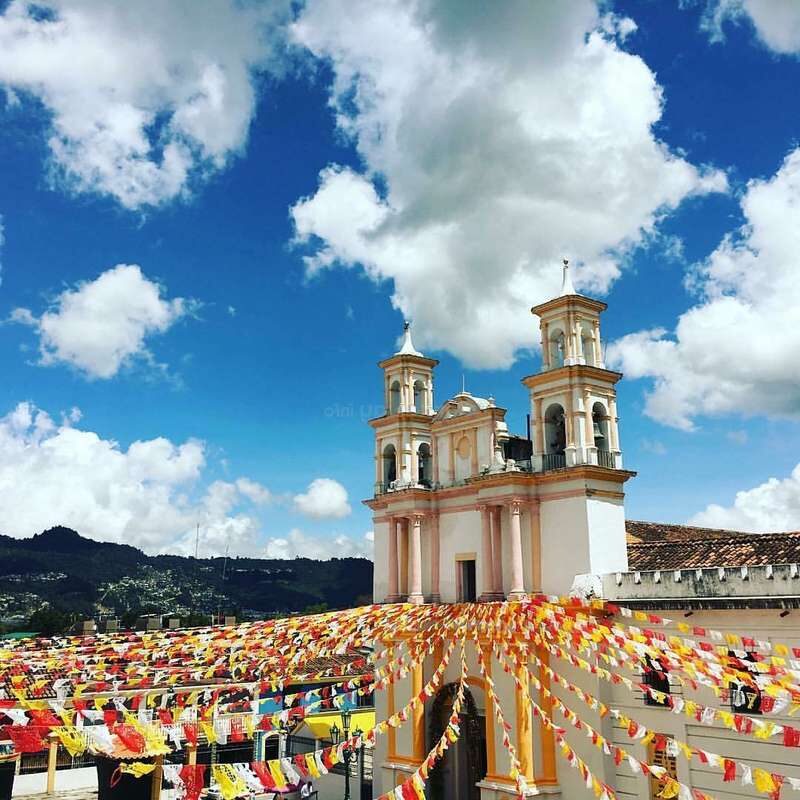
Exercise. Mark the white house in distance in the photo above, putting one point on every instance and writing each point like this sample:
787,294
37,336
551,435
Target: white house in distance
465,510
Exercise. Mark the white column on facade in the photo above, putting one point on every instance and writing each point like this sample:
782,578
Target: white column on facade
566,326
403,557
451,456
613,420
597,344
406,466
393,593
578,332
515,540
591,452
486,554
415,576
497,551
569,422
613,431
434,532
539,443
544,328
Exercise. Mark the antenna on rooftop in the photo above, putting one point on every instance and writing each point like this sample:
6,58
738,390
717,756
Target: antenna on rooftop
463,383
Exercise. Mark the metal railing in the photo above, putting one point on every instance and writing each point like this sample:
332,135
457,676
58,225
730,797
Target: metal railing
553,461
396,486
606,458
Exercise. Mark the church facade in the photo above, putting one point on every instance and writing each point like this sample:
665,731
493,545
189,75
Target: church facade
465,510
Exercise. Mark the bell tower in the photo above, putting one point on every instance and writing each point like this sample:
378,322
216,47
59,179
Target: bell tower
402,434
573,397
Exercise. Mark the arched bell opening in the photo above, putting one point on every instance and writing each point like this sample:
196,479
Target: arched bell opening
424,465
394,397
555,429
600,427
464,764
389,466
587,347
555,437
557,348
419,397
601,422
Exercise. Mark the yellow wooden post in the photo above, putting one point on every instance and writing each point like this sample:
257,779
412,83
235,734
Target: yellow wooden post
418,729
548,774
155,790
491,757
52,758
523,708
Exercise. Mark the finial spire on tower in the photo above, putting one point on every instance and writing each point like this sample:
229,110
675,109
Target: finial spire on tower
566,280
407,348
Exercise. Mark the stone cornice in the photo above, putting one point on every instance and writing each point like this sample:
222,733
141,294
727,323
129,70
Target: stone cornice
402,416
516,480
571,371
408,359
569,300
492,413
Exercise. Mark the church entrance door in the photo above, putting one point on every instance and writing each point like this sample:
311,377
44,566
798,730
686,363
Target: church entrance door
464,763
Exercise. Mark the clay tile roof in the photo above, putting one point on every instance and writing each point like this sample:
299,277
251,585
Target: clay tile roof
653,546
346,664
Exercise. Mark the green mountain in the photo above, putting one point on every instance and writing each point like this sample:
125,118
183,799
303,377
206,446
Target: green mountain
62,571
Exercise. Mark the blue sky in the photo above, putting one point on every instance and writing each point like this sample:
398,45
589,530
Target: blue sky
261,289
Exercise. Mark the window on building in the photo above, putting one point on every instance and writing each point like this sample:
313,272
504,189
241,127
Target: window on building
745,697
663,753
466,581
557,349
657,678
327,699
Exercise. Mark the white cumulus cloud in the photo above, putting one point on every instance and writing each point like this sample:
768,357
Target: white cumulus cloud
493,145
302,545
141,97
101,325
776,22
736,350
771,506
150,495
324,498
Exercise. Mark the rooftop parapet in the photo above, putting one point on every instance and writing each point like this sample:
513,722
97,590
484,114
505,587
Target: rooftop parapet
766,586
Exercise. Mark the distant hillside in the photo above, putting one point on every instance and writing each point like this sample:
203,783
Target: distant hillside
78,575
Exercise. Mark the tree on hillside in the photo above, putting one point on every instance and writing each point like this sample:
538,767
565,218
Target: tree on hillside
49,621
